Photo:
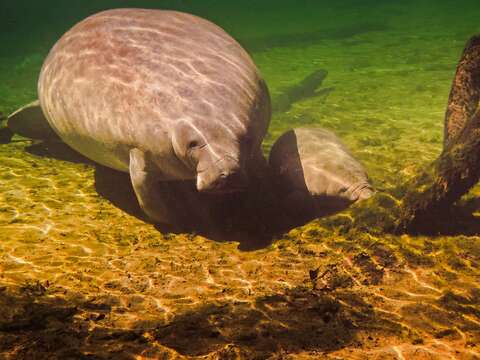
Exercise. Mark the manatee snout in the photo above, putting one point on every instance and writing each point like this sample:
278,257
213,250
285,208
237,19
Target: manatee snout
226,175
360,191
218,155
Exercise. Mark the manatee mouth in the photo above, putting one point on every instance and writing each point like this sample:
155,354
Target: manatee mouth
226,175
225,183
361,191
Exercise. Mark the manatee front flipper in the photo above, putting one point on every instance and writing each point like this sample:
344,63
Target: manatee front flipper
146,184
169,202
29,121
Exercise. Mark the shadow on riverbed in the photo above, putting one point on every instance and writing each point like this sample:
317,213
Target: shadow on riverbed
309,38
254,225
232,219
43,323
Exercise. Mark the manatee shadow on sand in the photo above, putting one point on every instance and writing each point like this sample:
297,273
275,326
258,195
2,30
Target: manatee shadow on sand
53,323
227,221
57,150
113,185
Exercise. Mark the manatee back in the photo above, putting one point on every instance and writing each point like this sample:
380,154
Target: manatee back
314,171
122,78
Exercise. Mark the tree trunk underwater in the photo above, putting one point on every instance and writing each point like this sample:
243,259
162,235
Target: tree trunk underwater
427,200
431,194
465,91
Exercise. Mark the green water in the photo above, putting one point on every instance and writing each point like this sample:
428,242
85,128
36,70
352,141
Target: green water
81,277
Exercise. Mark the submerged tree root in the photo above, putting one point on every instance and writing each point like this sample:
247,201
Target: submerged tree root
429,197
452,175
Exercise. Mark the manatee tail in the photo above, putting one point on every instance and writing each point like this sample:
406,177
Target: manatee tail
29,121
465,91
5,133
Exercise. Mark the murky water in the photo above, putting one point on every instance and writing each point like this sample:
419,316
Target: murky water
83,275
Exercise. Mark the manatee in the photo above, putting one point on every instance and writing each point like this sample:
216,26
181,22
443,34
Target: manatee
315,175
163,95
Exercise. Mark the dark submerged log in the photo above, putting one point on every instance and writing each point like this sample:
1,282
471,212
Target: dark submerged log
465,91
430,195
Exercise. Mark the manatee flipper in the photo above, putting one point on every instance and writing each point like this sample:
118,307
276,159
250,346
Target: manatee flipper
145,181
169,202
29,121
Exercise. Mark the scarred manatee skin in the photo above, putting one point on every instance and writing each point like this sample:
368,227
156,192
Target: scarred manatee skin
315,174
124,78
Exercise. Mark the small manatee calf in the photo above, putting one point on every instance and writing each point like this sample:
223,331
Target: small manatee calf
163,95
315,175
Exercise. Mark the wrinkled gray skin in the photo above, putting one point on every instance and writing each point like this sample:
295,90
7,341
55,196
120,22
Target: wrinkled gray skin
162,95
314,173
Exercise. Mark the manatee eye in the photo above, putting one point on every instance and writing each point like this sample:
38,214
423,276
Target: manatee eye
192,144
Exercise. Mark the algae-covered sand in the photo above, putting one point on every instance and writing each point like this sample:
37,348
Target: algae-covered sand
84,277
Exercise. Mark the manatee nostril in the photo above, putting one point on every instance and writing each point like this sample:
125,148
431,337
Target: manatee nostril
220,183
227,182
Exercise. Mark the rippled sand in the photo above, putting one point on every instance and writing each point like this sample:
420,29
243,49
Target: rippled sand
83,276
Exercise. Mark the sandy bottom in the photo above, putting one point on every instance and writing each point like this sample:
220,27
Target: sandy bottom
83,276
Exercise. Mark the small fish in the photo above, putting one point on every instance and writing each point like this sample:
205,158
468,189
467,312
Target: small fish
305,89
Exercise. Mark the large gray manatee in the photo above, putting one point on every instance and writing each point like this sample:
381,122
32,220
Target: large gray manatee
162,95
315,175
